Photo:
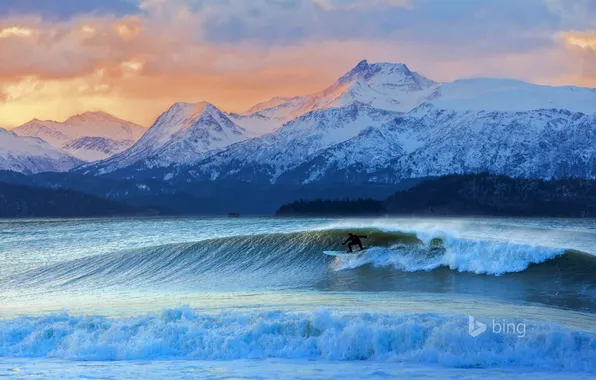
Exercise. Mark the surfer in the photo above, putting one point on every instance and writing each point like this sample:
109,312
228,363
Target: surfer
354,240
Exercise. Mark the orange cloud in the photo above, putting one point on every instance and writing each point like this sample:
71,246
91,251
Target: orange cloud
585,40
15,31
135,67
581,56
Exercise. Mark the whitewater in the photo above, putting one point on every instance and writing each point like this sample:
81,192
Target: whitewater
256,298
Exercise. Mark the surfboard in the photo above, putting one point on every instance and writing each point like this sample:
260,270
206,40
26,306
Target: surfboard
343,253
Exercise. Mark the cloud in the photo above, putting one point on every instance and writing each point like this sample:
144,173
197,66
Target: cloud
135,60
583,40
65,9
573,14
356,4
15,31
581,53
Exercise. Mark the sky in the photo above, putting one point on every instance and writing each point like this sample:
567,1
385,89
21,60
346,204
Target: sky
135,58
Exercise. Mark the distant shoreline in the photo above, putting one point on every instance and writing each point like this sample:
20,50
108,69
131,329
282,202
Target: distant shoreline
470,196
474,195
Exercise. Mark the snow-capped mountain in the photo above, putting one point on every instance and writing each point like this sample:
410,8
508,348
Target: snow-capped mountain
394,87
431,142
360,159
256,124
508,95
90,136
32,155
294,142
546,143
179,136
96,148
385,86
377,123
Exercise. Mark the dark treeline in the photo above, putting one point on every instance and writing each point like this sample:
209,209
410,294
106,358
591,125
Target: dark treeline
333,207
18,201
465,195
474,195
485,194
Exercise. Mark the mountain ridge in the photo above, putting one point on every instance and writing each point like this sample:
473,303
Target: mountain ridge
32,155
119,134
377,123
383,123
178,136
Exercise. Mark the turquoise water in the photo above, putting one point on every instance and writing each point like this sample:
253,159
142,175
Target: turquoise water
256,297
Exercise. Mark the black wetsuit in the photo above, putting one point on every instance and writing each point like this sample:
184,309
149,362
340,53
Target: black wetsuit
354,240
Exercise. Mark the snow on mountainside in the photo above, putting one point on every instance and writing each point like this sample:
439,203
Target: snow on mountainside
510,95
31,155
543,143
432,142
386,86
115,134
179,136
256,124
356,159
377,123
97,148
276,101
293,143
394,87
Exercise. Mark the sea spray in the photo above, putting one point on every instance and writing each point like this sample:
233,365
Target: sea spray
480,257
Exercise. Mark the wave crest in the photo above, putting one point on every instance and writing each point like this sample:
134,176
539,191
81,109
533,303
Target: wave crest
480,257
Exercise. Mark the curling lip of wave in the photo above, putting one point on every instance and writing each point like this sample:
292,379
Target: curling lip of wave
186,334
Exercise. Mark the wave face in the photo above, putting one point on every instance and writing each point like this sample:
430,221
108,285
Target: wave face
294,253
396,261
186,334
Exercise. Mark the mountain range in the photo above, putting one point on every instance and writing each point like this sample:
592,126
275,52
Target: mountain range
91,136
31,155
379,123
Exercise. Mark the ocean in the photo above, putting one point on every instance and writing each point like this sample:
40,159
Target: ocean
255,298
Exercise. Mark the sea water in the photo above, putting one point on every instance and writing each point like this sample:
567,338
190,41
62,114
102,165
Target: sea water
256,298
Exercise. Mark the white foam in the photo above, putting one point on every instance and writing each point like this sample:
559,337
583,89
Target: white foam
461,254
183,333
478,257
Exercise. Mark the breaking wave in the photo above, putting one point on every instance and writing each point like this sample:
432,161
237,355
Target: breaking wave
183,333
480,257
294,259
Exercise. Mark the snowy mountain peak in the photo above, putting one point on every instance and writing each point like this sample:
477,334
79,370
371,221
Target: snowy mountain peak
380,120
91,117
181,135
31,155
390,86
391,72
37,123
189,108
61,135
183,116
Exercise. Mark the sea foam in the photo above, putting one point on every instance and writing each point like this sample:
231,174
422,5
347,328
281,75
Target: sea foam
183,333
480,257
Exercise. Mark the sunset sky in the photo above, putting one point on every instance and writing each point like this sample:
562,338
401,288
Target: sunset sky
134,58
